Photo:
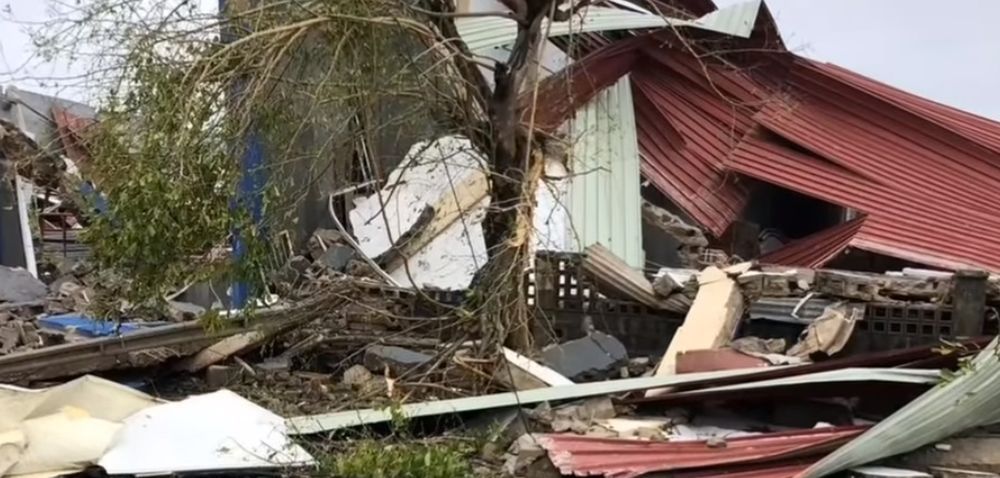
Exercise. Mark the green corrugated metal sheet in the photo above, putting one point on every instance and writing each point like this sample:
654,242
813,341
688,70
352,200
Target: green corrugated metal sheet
604,200
327,422
958,404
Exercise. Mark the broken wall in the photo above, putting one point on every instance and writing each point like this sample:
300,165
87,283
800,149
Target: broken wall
32,112
335,139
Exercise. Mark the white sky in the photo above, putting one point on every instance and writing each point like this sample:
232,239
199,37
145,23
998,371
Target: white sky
945,50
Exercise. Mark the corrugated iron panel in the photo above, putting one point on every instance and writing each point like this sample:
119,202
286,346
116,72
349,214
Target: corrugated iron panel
961,403
618,458
780,309
922,175
818,249
605,201
305,425
972,127
899,215
687,129
839,381
490,32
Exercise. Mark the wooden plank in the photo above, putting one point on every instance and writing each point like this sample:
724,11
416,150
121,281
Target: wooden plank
222,350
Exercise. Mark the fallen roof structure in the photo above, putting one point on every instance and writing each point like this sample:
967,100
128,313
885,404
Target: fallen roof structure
913,173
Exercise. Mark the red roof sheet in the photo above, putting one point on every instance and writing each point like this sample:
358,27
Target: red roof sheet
924,175
817,249
72,129
617,458
975,128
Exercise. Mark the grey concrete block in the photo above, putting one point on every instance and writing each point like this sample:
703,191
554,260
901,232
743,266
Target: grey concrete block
595,357
397,359
18,285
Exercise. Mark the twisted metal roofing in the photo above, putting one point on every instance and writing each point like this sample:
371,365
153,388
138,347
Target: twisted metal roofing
619,458
922,175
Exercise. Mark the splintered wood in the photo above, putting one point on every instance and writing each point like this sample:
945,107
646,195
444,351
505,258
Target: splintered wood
712,320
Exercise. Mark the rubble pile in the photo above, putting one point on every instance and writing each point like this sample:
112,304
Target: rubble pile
770,306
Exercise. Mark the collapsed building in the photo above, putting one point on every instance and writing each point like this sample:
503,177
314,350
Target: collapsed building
733,234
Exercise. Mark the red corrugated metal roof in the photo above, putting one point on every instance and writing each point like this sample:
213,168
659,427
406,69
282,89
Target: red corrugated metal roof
687,126
923,195
71,129
972,127
817,249
617,458
924,175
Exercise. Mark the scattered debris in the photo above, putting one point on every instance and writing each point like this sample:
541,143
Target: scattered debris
381,358
965,401
829,333
18,285
712,320
597,356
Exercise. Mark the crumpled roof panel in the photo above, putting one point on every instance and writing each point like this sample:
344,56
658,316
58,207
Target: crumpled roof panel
923,175
817,249
621,458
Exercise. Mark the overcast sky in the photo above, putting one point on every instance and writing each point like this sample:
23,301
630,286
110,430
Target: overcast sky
947,54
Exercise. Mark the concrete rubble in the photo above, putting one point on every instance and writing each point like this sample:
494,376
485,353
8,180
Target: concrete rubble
731,336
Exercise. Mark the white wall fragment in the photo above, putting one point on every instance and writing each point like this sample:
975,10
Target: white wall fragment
428,176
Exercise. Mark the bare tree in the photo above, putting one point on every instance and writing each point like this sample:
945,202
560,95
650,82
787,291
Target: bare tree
182,90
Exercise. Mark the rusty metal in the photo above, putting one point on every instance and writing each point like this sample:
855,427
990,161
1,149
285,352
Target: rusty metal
618,458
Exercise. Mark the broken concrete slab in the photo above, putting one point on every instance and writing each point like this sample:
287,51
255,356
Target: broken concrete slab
220,376
18,285
664,285
337,257
322,240
357,375
397,359
712,320
184,311
527,458
591,358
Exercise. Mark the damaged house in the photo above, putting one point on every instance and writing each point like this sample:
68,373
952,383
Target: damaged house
746,262
42,145
722,144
